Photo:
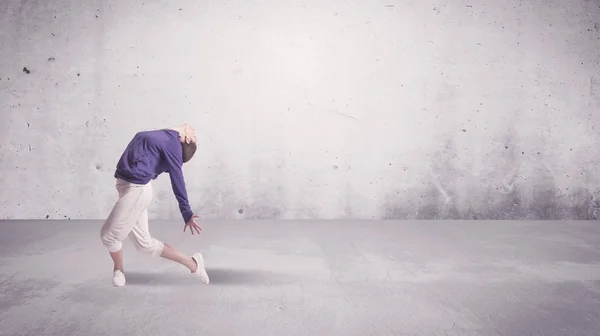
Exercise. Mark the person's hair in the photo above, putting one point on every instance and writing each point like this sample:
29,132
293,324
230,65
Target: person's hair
188,150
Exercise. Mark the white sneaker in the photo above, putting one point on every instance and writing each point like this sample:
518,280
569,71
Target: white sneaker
200,271
118,279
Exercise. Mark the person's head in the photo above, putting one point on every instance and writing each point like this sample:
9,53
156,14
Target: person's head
187,137
188,150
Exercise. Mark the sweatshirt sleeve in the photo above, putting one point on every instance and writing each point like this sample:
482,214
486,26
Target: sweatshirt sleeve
173,157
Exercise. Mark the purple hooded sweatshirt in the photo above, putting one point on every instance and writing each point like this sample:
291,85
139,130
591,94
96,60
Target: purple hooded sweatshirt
150,154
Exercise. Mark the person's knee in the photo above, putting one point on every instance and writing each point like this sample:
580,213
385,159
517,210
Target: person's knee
152,248
110,242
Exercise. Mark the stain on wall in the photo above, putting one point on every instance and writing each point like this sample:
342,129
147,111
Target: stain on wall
372,110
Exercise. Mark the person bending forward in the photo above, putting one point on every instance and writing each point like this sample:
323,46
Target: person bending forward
148,155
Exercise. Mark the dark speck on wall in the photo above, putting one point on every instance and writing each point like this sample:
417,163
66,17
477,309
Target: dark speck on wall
335,167
97,16
241,211
98,167
464,130
47,216
28,125
51,59
389,6
506,147
27,71
78,74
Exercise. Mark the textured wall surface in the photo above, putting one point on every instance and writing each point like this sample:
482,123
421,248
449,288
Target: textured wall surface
307,109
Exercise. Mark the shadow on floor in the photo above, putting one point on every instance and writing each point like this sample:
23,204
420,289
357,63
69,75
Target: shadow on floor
218,276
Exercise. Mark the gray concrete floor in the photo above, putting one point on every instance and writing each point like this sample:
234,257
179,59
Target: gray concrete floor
308,278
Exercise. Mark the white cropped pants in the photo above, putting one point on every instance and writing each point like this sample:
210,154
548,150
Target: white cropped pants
129,218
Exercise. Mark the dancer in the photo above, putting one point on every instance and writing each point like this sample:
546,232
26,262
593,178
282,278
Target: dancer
148,155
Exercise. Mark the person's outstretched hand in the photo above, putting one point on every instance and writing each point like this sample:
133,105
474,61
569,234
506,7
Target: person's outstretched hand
193,225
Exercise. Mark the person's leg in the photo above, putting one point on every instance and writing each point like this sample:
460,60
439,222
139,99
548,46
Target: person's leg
194,263
118,276
117,258
120,222
170,253
145,243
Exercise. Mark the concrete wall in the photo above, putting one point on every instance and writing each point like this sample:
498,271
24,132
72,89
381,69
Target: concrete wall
307,109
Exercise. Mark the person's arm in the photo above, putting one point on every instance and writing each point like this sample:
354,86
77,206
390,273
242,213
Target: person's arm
173,157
